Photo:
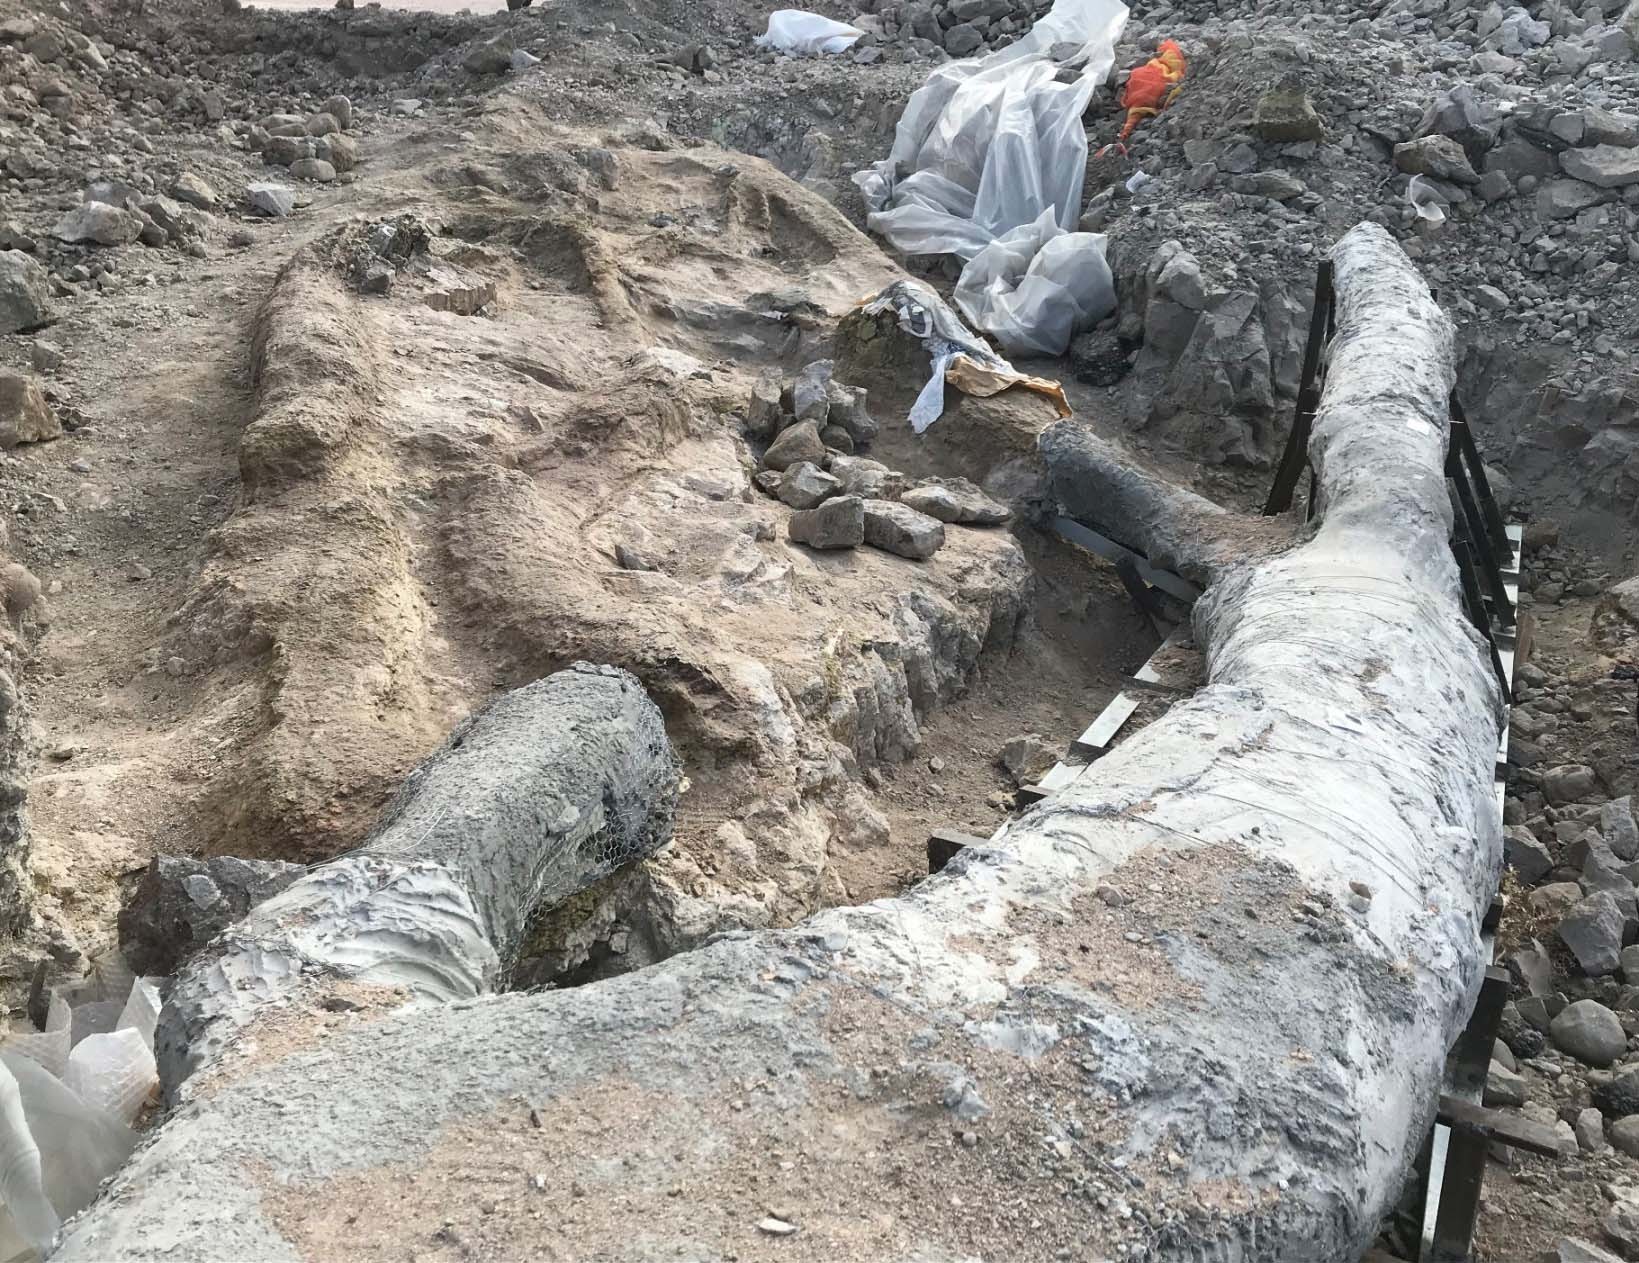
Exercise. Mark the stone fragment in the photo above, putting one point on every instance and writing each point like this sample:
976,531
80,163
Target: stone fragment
1593,932
339,108
455,289
312,169
25,293
341,152
1590,1130
1617,827
275,200
1504,1087
1565,199
195,191
1494,186
1602,127
98,223
1568,783
956,500
1278,185
1027,758
1438,156
1576,1250
182,903
801,442
1618,1097
805,485
282,151
1525,855
491,57
899,529
1589,1032
25,416
838,523
811,394
962,39
763,413
1624,1135
321,124
848,409
1285,115
866,478
1603,166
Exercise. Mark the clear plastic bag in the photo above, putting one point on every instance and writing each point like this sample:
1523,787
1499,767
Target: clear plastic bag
986,149
1037,287
78,1147
806,34
986,146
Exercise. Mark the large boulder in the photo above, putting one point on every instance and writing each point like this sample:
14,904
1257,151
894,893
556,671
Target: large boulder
1603,166
182,903
1568,783
1589,1032
25,292
98,223
25,416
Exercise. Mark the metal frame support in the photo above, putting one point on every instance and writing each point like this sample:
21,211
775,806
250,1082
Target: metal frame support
1296,455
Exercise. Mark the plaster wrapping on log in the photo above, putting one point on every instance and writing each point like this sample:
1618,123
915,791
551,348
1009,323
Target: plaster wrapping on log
1097,483
1247,1072
548,789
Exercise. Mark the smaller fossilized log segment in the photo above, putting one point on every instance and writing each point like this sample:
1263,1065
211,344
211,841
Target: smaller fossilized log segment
548,789
1193,1007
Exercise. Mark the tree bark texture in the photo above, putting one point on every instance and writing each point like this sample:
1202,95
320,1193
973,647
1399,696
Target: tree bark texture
1192,1007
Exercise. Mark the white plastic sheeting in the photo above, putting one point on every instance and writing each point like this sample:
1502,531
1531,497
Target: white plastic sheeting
67,1097
806,34
986,147
1034,288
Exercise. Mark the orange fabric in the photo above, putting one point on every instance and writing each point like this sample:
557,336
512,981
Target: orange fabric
1151,87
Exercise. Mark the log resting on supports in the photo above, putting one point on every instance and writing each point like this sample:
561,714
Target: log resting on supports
1234,1060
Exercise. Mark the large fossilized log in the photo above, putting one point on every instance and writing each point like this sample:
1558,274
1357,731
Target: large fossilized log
545,791
1192,1007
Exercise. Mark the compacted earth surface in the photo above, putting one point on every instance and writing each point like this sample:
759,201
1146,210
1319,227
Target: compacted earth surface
358,365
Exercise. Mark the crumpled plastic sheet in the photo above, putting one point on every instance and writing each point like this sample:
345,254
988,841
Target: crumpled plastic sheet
68,1095
956,354
1426,200
986,146
1034,288
805,34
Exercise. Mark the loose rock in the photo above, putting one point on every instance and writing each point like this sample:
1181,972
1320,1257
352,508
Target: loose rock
899,529
838,523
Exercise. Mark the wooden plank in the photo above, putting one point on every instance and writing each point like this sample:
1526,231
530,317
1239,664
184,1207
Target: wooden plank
1102,731
1061,775
1086,537
944,844
1505,1129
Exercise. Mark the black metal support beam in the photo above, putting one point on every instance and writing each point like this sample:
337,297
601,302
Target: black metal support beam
1296,456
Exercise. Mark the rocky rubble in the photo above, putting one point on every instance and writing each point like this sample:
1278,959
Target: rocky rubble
812,430
942,29
1568,1055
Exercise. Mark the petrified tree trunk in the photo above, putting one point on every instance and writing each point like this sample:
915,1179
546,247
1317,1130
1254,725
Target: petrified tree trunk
548,789
1192,1007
